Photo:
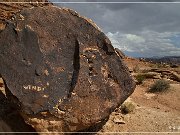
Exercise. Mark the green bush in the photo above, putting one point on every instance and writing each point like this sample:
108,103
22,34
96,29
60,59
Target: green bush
140,78
161,65
159,86
136,69
127,107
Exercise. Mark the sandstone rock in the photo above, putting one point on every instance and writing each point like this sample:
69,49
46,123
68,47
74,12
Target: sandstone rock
148,75
168,73
60,70
174,76
160,70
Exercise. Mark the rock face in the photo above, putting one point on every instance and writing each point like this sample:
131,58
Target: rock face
61,70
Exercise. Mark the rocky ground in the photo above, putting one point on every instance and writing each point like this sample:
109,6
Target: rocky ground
152,112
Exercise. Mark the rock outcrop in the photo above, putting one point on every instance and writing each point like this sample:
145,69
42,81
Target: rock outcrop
120,53
60,70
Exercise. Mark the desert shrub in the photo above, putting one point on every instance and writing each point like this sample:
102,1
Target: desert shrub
158,65
159,86
140,78
127,107
145,71
174,65
136,69
161,65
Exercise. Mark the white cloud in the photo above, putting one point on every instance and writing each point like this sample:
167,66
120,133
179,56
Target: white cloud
147,43
144,29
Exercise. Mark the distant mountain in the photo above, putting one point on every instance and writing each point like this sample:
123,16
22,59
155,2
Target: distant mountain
172,60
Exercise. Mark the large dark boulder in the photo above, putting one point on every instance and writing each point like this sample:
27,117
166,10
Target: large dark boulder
61,70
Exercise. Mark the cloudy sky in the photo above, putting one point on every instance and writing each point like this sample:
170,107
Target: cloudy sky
138,29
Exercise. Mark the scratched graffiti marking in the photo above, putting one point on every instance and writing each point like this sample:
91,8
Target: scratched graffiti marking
33,87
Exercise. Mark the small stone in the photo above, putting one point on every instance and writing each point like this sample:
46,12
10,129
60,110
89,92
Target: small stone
118,121
149,95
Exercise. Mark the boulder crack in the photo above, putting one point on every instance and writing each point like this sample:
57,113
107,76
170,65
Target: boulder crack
76,65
